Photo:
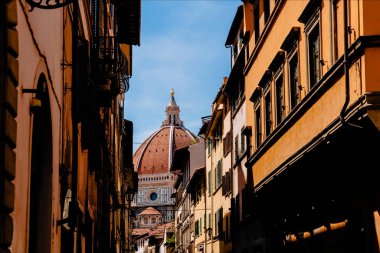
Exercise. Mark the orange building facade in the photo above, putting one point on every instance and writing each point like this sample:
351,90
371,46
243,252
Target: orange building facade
66,149
311,95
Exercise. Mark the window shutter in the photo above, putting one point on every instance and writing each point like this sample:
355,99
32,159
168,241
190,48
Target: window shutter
220,221
220,172
224,185
228,182
209,182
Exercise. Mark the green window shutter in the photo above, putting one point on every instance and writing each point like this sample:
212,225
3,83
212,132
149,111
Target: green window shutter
209,182
200,225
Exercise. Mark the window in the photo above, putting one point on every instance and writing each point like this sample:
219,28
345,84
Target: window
266,10
209,182
242,141
268,111
310,16
218,174
227,143
237,47
258,126
290,45
200,225
208,146
196,228
256,16
280,101
294,85
314,56
237,95
236,148
219,222
338,31
204,222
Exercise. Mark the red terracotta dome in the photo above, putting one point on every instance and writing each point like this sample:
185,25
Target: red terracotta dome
155,154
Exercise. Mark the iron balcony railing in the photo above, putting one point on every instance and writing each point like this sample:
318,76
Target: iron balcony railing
109,66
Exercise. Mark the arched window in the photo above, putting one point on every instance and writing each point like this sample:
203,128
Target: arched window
153,220
145,220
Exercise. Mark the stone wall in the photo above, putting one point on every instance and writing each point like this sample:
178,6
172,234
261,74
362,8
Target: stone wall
8,113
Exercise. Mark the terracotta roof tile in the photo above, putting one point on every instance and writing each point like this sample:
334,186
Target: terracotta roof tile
150,211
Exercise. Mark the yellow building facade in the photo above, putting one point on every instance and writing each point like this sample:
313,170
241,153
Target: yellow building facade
218,173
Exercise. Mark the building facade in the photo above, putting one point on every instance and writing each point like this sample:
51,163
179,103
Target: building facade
298,122
311,90
65,146
152,162
189,167
218,135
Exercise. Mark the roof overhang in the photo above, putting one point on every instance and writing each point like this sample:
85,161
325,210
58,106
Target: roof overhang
236,72
129,21
235,26
217,114
194,179
205,122
180,157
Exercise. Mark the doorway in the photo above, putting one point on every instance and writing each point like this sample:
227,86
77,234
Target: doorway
41,174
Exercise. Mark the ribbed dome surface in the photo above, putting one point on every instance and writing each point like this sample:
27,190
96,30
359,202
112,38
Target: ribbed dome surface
155,154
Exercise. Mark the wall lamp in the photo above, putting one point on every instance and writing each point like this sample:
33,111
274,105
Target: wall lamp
36,102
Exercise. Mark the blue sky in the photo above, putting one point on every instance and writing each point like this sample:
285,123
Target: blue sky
182,47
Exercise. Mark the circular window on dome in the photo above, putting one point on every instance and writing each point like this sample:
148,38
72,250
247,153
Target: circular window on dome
153,196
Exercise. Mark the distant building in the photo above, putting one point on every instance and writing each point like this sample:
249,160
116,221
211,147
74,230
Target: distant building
152,161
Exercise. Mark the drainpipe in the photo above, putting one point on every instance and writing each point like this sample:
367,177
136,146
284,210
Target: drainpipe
345,62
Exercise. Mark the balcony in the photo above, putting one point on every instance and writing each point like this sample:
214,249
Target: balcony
109,69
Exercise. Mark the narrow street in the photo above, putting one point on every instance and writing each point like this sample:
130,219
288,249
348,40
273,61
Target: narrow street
182,126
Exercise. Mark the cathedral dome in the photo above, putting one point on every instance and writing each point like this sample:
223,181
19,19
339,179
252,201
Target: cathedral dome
155,154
